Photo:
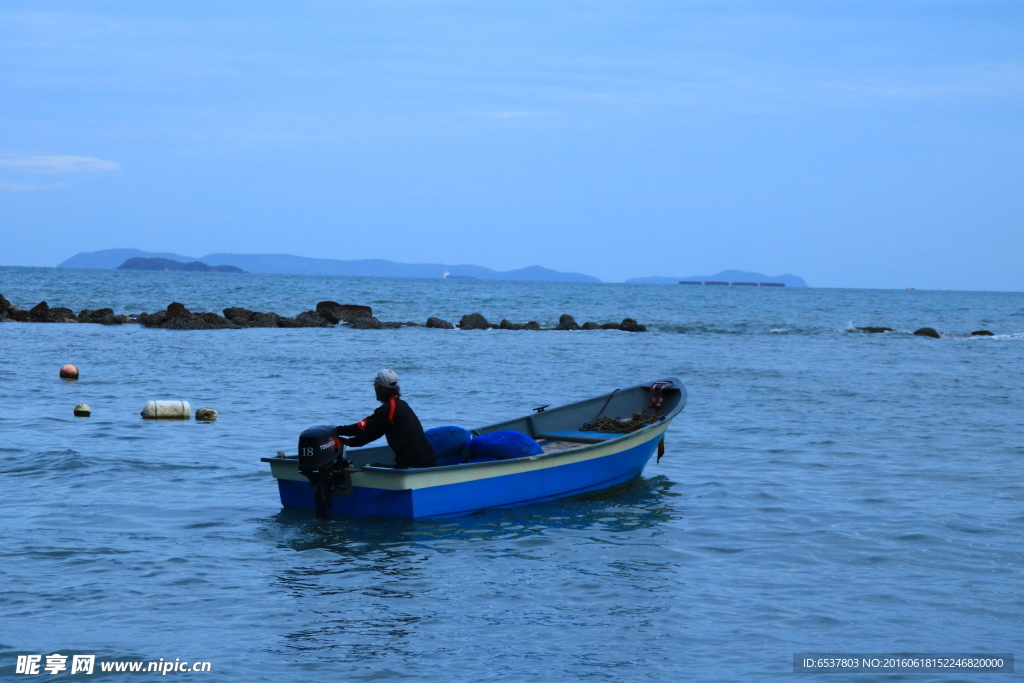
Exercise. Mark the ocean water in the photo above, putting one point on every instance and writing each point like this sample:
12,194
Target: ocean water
823,491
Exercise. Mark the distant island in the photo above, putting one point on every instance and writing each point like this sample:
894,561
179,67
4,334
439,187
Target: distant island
724,276
287,264
142,263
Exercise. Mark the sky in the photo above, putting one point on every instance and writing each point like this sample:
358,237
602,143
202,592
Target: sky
855,144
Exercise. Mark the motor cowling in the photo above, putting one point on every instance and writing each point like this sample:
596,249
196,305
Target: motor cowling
319,447
322,461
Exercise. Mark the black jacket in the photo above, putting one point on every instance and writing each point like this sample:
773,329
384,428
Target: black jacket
395,421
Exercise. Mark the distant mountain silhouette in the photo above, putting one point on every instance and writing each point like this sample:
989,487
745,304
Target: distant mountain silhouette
112,258
302,265
724,276
143,263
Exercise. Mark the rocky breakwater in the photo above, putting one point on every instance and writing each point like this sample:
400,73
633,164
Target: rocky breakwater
476,321
327,314
177,317
930,332
40,313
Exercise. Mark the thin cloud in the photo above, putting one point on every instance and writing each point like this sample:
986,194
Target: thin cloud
28,187
57,164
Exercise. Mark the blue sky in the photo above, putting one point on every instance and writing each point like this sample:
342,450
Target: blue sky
857,144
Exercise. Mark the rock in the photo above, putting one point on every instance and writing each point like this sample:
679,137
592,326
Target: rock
243,317
42,313
207,414
926,332
312,319
438,324
198,321
874,330
566,322
5,305
366,323
474,321
630,325
342,313
39,313
61,315
390,325
89,316
610,326
152,319
982,333
590,326
411,324
506,325
532,325
177,317
176,310
103,316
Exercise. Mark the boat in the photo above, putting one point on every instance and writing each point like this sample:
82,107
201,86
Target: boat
573,462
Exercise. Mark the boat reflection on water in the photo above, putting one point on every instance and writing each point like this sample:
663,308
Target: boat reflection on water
372,592
639,504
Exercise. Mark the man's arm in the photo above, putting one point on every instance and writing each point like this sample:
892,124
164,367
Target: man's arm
365,431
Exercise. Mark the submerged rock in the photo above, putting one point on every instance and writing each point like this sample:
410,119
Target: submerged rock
474,321
874,330
342,313
532,325
198,321
506,325
177,317
103,316
590,326
243,317
566,322
982,333
39,313
366,323
42,313
927,332
61,315
311,319
630,325
438,324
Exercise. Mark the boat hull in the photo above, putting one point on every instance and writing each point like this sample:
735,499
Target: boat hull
464,489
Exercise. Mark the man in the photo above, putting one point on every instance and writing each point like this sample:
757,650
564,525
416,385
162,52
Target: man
395,421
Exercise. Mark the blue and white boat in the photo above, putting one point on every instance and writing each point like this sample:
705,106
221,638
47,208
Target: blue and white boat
573,462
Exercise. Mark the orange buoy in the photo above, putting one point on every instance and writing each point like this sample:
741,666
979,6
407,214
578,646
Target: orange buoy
69,371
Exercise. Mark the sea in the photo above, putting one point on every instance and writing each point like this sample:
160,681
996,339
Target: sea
824,491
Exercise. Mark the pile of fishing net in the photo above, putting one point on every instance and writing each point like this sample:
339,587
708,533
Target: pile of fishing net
615,425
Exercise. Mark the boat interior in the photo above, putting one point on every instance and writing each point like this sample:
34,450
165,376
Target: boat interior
558,429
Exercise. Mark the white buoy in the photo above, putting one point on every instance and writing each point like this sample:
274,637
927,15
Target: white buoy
167,410
207,414
83,410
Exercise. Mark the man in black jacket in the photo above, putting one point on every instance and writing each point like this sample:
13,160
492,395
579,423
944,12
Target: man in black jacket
395,421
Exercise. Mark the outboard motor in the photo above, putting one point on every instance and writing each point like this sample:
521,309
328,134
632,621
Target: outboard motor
322,461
